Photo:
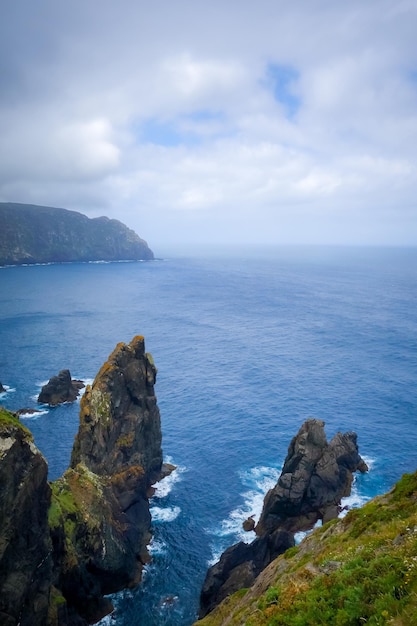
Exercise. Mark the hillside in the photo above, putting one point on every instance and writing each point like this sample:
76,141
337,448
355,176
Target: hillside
358,570
38,234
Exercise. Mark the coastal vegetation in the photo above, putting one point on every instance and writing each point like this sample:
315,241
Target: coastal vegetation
361,569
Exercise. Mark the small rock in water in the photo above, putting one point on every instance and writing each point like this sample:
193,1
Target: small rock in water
249,524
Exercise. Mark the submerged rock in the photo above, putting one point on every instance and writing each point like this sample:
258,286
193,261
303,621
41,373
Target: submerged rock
60,388
315,477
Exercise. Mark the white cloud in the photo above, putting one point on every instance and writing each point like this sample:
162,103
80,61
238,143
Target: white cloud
74,110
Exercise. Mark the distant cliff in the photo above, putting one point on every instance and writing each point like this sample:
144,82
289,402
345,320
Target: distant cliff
39,234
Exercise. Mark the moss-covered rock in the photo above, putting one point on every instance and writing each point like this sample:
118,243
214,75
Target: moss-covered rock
25,559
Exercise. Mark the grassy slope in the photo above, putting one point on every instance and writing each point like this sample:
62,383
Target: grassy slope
358,570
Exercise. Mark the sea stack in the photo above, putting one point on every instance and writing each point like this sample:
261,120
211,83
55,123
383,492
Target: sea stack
65,545
315,477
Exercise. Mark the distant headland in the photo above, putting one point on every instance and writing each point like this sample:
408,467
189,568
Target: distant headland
39,234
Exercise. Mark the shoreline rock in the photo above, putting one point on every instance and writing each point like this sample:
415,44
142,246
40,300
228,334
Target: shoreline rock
59,389
315,477
64,546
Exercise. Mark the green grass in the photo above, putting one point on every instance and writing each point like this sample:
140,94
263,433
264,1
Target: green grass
10,420
359,570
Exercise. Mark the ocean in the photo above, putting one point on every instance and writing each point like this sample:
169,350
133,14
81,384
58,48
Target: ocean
247,347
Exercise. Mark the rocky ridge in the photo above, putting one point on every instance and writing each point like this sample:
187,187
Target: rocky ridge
361,569
91,527
25,545
39,234
315,477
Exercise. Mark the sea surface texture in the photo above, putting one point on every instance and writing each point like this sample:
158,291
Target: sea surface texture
247,348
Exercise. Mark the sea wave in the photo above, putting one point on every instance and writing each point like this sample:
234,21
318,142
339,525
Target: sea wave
165,486
168,514
258,481
157,547
7,390
34,415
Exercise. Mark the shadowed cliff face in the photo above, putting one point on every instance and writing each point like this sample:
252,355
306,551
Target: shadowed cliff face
315,477
64,546
37,234
25,548
99,518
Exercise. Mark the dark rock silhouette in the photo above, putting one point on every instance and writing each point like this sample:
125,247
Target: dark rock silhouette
65,546
60,388
25,546
315,477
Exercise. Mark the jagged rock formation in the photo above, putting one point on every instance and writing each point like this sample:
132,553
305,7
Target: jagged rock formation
38,234
2,389
65,546
357,570
315,477
25,547
100,520
120,425
239,566
60,388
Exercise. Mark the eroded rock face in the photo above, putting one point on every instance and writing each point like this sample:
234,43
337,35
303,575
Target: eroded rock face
120,424
59,389
239,565
315,477
25,549
100,520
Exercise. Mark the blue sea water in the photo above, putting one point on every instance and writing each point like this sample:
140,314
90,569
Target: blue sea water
247,347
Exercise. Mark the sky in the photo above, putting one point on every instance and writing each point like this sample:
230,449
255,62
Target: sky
229,122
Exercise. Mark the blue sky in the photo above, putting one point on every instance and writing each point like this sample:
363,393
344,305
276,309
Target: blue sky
215,123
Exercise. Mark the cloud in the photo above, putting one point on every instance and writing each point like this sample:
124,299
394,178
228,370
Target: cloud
268,122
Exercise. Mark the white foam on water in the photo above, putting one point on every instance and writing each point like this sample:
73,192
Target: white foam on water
258,480
165,486
156,547
168,514
27,416
7,389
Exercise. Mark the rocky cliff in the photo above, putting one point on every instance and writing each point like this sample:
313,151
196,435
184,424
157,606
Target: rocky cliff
315,477
25,546
65,546
38,234
361,569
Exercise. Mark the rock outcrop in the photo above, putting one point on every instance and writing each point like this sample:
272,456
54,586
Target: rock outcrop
357,570
60,388
39,234
25,546
315,477
239,566
120,425
64,546
2,389
100,520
